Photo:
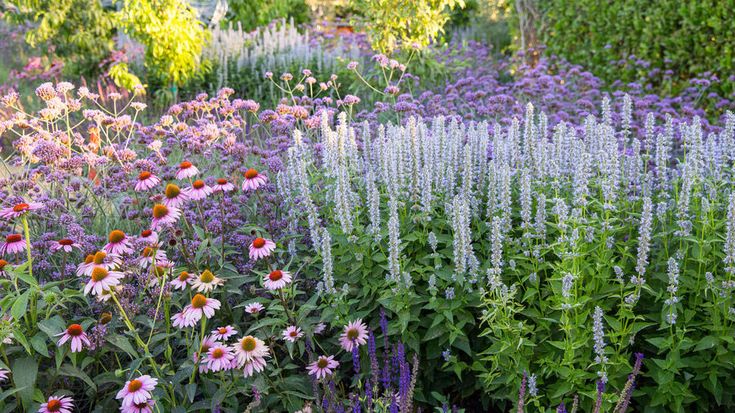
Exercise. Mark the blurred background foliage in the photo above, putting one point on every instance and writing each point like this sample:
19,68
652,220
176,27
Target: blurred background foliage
661,44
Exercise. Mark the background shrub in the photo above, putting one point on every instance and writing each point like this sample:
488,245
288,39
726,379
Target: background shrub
255,13
624,40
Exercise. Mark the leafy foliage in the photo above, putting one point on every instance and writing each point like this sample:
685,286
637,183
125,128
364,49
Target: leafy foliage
620,40
172,35
252,14
394,24
80,31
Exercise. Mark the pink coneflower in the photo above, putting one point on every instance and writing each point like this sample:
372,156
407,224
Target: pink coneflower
186,170
223,185
223,333
256,364
179,320
15,244
182,280
99,259
149,237
102,280
292,333
253,180
66,245
198,190
206,281
164,215
146,181
249,348
261,248
354,334
137,390
143,407
219,358
119,243
4,375
78,338
207,343
152,254
319,328
323,366
84,266
254,308
174,197
57,404
277,279
21,209
200,305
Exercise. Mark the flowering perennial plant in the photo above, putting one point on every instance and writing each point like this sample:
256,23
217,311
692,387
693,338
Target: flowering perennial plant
444,247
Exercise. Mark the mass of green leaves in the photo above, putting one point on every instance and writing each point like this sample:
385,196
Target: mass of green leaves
255,13
689,37
172,35
79,31
393,24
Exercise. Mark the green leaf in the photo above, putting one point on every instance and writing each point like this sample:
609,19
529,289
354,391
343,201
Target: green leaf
38,342
707,343
191,391
18,310
123,344
25,371
51,326
71,371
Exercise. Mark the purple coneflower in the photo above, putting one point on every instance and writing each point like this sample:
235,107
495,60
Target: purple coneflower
223,333
206,282
142,407
254,308
354,334
146,181
15,244
137,390
66,245
78,338
119,243
19,210
174,197
207,343
253,180
179,320
256,364
292,333
150,254
57,404
102,280
199,190
3,264
186,170
149,237
323,366
99,259
261,248
219,357
277,279
164,215
249,348
182,280
200,306
223,185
